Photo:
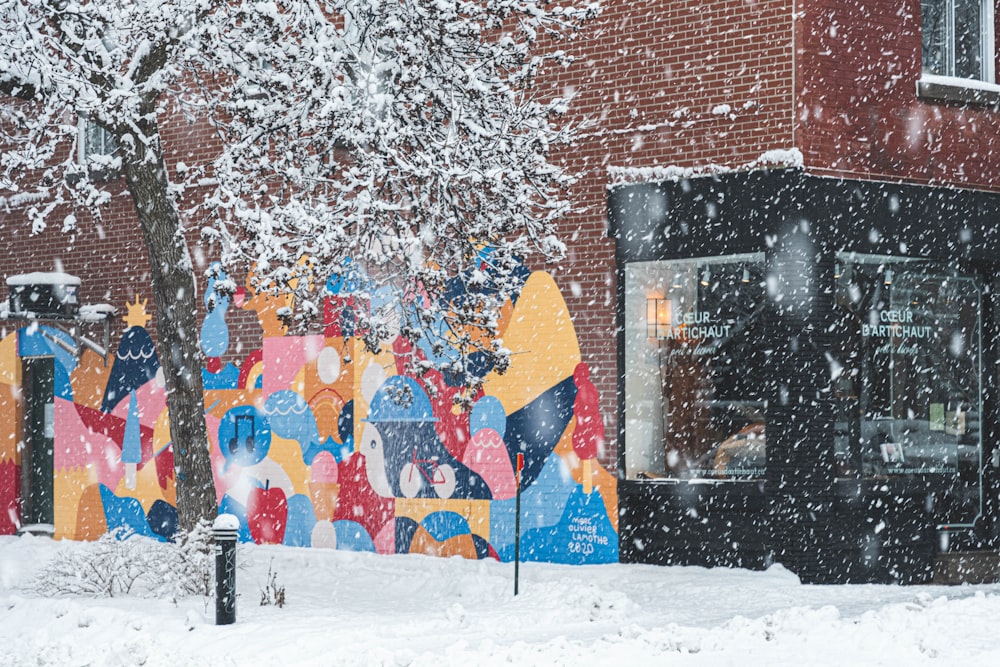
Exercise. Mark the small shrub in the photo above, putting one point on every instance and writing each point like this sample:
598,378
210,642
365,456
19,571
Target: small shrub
272,593
113,565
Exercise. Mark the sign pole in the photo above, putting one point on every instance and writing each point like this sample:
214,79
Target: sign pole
517,522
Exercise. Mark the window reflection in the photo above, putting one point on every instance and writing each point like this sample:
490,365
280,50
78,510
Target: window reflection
909,386
694,396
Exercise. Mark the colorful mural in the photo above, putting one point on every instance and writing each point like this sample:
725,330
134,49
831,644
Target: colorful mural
311,444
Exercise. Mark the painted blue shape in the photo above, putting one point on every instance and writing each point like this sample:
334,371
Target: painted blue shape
445,525
338,451
488,412
215,333
244,436
125,514
61,383
230,506
535,429
352,536
41,341
406,528
301,519
502,524
583,536
482,546
406,441
162,519
400,399
214,330
132,441
227,378
345,427
541,504
135,364
291,417
348,280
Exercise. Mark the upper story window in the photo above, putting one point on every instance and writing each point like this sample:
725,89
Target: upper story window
958,52
958,38
98,150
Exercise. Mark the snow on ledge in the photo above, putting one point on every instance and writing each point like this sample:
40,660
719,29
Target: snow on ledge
779,158
958,82
42,278
97,312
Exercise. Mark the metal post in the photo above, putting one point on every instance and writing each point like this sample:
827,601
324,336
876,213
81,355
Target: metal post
517,522
225,528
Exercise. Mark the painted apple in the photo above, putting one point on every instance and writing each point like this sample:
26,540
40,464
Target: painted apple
267,514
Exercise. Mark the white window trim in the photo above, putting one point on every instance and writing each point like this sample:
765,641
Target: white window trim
958,89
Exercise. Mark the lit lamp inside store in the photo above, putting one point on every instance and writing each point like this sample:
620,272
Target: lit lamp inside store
657,317
706,277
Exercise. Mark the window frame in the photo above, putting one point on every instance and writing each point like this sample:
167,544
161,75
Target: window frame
84,150
948,86
645,415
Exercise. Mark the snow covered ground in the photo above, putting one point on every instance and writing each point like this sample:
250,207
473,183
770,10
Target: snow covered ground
345,608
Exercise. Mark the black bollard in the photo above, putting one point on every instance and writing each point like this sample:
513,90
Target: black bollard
225,528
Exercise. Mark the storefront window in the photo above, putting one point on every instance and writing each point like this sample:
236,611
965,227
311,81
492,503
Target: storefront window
909,384
694,391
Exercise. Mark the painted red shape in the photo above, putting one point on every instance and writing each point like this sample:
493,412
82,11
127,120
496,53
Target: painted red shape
358,501
267,515
588,436
10,485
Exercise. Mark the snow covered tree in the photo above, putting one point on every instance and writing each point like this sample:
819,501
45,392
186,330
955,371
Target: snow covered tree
399,147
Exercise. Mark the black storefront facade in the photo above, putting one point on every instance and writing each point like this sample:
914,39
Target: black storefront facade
810,373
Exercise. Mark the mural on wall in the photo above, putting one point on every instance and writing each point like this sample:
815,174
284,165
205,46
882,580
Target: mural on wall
311,444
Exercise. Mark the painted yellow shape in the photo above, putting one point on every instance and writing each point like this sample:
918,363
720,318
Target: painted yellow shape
360,361
137,315
308,377
475,512
543,345
90,520
147,488
267,307
68,486
288,454
89,379
10,363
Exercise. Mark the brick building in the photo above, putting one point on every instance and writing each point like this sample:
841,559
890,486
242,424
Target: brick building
779,278
805,224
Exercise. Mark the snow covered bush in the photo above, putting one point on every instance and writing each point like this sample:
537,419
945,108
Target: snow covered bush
122,563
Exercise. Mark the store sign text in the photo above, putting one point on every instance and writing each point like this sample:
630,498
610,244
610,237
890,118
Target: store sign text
895,324
696,326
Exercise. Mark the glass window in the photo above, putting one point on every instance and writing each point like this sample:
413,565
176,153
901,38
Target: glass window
98,150
97,140
694,390
908,376
958,38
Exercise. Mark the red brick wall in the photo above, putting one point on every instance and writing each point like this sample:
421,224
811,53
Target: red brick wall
647,78
649,81
108,255
857,111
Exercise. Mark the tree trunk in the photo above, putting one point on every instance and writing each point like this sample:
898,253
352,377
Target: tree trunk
176,324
